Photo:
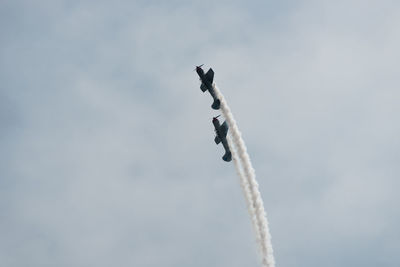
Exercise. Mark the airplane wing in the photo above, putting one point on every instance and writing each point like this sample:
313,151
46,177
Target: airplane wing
224,129
210,75
203,87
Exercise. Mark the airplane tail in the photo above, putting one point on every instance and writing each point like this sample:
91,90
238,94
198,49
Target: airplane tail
228,156
216,104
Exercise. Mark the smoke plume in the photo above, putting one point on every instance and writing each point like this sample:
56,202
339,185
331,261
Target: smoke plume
249,185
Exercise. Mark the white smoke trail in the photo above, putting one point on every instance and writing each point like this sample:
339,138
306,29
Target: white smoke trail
245,187
257,210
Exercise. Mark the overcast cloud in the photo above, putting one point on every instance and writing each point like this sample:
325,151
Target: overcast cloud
107,155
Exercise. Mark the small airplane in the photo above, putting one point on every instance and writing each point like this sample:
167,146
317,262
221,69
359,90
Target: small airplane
207,84
221,131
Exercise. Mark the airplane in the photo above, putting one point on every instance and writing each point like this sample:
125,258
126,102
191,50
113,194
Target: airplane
221,131
207,84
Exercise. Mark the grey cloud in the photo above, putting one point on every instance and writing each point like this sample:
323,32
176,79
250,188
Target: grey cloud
107,153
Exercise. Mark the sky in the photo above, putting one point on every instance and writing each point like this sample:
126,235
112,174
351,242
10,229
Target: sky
107,155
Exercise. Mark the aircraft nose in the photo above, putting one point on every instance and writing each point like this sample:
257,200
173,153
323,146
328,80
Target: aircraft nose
216,118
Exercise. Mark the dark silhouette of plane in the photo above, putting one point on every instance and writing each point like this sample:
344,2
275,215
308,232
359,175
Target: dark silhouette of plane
221,131
207,84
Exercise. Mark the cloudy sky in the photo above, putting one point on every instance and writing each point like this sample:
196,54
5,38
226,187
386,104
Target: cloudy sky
106,143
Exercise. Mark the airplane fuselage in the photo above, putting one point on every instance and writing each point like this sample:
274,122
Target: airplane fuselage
203,79
217,125
207,84
221,136
200,72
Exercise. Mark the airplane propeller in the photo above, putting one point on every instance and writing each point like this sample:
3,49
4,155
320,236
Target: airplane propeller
198,67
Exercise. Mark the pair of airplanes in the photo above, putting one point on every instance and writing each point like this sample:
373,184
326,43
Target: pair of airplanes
221,130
